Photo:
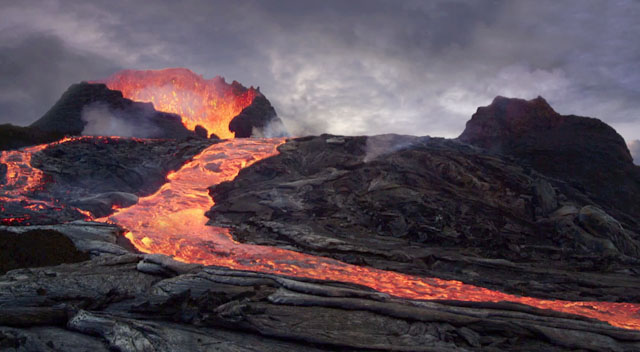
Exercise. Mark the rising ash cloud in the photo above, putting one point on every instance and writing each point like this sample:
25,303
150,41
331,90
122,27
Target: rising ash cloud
344,67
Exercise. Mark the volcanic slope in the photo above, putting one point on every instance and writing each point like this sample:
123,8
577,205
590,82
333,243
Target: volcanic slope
124,301
438,208
584,152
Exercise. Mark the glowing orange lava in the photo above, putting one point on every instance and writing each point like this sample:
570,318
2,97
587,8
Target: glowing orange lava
172,222
211,103
22,180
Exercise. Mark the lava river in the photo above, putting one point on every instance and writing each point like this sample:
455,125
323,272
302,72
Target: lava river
172,222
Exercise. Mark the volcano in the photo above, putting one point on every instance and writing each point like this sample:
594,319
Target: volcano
211,103
320,242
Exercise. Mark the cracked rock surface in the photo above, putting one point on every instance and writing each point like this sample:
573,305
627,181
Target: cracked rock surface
135,302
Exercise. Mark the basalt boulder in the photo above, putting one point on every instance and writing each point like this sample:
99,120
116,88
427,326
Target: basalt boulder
258,120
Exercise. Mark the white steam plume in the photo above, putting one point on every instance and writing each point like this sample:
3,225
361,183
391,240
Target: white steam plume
274,129
388,143
103,121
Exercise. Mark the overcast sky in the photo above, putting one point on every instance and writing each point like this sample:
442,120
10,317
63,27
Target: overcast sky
345,67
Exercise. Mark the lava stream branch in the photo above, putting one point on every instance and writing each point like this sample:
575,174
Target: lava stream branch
23,182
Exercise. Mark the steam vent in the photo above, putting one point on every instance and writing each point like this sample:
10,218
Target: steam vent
162,211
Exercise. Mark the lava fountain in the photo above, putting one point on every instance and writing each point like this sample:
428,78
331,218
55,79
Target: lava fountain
172,222
211,103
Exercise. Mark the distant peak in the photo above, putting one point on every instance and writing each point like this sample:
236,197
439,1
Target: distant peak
539,102
581,149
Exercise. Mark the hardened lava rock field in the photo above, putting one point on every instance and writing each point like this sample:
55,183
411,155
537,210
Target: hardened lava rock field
327,243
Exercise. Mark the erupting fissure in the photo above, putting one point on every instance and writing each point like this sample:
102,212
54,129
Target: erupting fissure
210,103
172,222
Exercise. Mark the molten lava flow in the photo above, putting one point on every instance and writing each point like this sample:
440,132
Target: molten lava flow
21,178
23,182
24,185
172,222
210,103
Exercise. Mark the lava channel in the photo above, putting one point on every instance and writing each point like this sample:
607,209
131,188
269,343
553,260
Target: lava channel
210,103
172,222
24,183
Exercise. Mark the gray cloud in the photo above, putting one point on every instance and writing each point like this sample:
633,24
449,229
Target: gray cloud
360,67
36,70
103,121
634,147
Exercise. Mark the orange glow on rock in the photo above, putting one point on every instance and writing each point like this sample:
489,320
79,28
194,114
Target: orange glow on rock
211,103
22,180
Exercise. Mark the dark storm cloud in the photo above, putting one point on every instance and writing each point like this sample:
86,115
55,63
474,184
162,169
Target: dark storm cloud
634,147
365,67
36,70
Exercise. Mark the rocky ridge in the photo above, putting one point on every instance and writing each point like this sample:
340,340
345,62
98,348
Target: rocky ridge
583,152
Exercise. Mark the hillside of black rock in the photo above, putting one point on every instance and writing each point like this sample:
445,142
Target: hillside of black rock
433,207
258,120
67,117
93,109
584,152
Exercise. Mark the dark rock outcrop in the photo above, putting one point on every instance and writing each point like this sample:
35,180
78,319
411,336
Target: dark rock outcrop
585,152
102,204
15,137
258,120
36,248
66,116
201,132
